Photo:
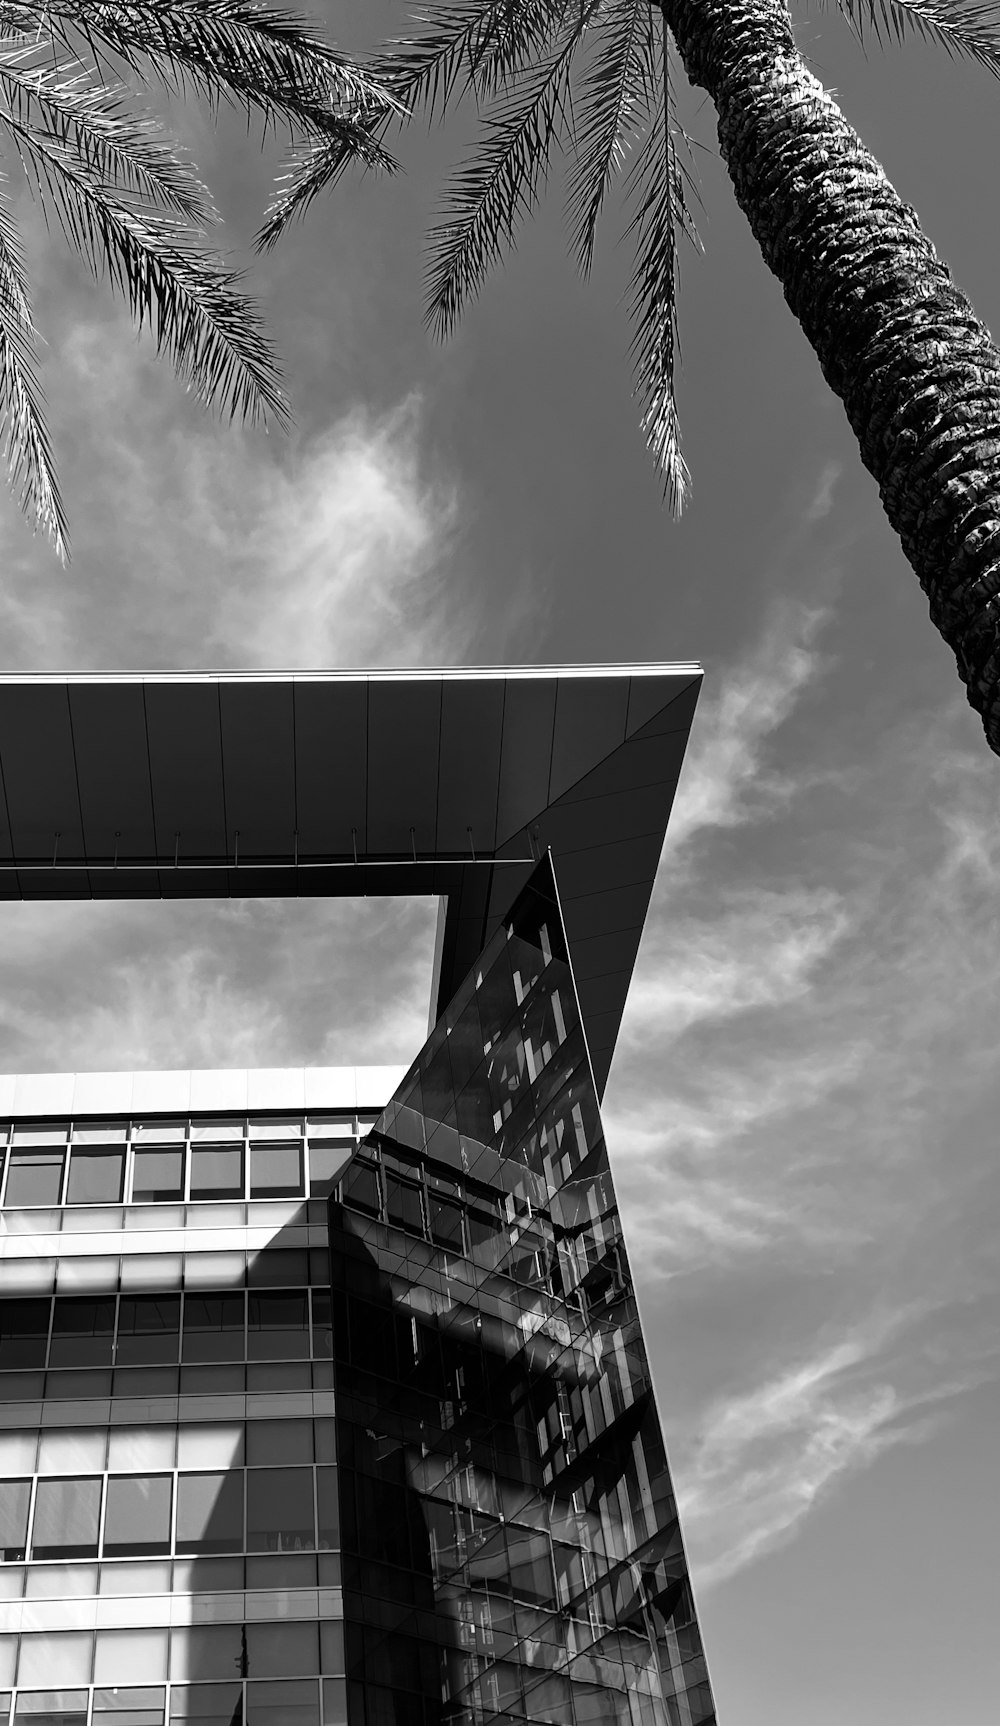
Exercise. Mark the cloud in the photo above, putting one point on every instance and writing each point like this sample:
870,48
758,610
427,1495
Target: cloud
821,502
724,782
207,545
214,984
764,1457
763,948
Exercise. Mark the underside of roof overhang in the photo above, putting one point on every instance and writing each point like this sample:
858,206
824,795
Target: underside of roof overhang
347,784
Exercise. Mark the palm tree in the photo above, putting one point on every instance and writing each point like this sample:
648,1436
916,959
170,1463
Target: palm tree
132,206
898,342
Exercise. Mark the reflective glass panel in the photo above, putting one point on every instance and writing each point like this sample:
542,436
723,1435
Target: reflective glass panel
24,1332
14,1496
206,1704
157,1174
328,1158
210,1513
82,1332
278,1326
148,1329
34,1178
213,1327
276,1170
67,1514
96,1177
280,1510
137,1516
217,1171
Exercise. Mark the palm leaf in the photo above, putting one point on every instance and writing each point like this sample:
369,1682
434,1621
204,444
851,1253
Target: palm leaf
469,45
121,149
188,298
656,189
489,197
266,59
966,28
313,165
28,451
618,93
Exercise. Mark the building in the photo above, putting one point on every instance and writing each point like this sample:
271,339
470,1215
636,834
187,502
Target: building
323,1396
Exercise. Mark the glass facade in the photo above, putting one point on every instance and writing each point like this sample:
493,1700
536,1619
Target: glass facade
510,1542
329,1420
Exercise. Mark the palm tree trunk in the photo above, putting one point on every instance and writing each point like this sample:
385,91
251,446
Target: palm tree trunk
899,343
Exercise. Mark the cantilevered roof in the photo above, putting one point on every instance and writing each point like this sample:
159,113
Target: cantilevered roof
274,784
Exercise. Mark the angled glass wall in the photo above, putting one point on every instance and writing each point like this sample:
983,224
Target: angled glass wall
510,1543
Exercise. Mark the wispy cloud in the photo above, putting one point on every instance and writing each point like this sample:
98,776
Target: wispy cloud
764,1457
205,545
726,779
235,983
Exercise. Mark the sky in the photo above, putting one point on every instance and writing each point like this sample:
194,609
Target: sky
802,1112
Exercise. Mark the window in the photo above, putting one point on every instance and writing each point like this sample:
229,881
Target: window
279,1441
34,1177
126,1705
361,1188
282,1650
56,1659
403,1204
67,1513
206,1704
96,1177
446,1222
278,1327
276,1171
137,1516
280,1510
14,1495
158,1174
148,1329
82,1332
213,1327
328,1158
24,1332
210,1513
217,1171
329,1509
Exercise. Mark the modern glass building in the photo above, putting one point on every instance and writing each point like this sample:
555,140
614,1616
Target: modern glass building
323,1394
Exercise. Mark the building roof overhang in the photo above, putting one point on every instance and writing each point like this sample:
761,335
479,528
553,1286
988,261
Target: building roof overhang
273,784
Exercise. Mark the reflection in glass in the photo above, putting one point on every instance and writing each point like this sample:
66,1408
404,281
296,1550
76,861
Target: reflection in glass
487,1406
82,1332
213,1327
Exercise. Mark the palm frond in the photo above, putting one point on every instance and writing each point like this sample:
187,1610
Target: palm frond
188,298
120,148
28,451
964,28
467,46
268,60
618,93
656,189
491,195
313,165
